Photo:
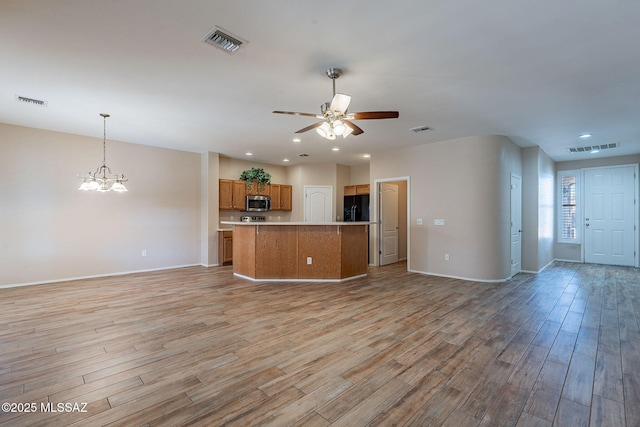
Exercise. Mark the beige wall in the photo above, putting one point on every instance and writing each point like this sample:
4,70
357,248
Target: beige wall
538,209
343,178
467,183
359,174
52,231
209,208
233,168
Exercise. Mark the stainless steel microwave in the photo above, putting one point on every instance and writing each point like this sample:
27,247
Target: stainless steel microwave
258,203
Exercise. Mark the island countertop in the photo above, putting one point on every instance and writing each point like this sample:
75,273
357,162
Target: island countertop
296,223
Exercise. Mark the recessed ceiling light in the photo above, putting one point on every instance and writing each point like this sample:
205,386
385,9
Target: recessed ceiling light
335,149
285,160
366,156
585,135
296,140
248,153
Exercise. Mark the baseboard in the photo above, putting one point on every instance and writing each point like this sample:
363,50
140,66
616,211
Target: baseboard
569,260
242,276
70,279
470,279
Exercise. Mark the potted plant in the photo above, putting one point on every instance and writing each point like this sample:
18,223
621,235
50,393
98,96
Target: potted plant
256,174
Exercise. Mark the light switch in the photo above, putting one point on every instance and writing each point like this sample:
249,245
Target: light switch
419,221
438,222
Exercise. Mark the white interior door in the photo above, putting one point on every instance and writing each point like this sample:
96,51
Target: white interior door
516,224
318,204
388,223
609,215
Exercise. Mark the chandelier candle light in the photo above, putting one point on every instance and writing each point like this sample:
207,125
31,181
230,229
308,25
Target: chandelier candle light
102,177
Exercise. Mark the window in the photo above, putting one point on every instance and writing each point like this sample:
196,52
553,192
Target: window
569,206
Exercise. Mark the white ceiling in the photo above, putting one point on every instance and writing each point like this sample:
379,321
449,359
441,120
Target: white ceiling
539,72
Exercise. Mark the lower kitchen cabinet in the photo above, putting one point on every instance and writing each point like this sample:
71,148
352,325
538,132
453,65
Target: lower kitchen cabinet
225,247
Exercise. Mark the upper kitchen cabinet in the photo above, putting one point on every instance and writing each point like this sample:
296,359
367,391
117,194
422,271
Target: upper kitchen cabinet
281,197
232,194
255,190
353,190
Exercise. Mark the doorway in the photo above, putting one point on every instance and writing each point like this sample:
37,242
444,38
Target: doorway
388,223
610,215
318,203
391,238
516,224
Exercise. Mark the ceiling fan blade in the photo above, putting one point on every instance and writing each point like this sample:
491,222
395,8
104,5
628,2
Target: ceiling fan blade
374,115
340,102
313,126
294,113
355,129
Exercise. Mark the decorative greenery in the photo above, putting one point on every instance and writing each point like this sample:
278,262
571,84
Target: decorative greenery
256,174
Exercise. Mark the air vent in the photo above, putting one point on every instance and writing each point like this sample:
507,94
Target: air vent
31,101
420,128
590,148
222,39
303,155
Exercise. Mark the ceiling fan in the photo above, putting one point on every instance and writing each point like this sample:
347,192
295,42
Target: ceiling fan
335,120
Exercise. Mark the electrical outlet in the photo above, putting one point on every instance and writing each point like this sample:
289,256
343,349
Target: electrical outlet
438,222
419,221
446,257
309,260
144,252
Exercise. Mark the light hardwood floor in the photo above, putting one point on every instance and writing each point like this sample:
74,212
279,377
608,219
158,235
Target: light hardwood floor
196,346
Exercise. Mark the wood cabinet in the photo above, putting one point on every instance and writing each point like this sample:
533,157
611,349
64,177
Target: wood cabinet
352,190
255,189
294,251
232,194
225,247
286,196
281,195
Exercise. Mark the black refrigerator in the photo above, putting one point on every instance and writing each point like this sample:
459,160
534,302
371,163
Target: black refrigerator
356,208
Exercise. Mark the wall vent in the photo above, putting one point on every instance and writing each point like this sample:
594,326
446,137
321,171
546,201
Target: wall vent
31,101
590,148
303,155
420,128
222,39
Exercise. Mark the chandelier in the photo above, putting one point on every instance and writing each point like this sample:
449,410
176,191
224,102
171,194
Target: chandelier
103,179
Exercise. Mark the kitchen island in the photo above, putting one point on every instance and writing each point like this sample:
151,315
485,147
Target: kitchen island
300,251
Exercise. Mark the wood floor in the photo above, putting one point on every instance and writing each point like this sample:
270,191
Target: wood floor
196,346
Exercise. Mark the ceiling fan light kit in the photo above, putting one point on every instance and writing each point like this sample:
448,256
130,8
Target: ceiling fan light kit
335,120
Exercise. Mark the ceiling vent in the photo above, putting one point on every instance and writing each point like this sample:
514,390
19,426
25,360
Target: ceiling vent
222,39
590,148
418,129
31,101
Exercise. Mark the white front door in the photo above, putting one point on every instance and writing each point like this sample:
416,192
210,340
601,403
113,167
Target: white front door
516,224
609,215
318,205
388,223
